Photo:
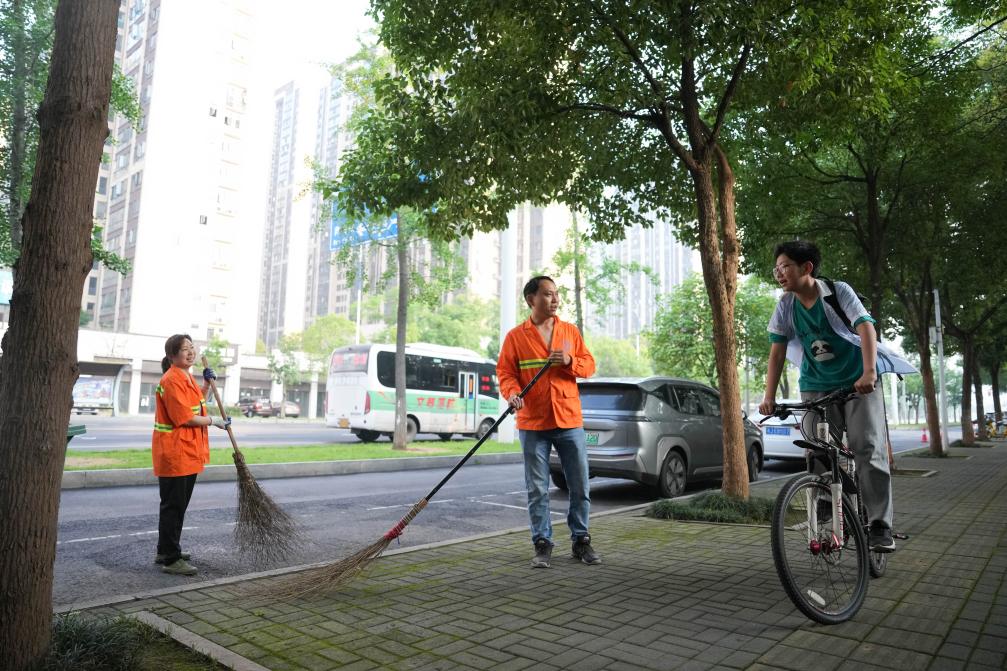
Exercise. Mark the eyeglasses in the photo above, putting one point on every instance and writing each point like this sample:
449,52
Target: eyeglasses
782,268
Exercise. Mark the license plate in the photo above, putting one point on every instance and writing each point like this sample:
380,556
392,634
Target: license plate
344,423
591,438
778,430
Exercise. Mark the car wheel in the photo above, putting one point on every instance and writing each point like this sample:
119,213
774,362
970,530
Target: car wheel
445,436
411,429
367,436
672,479
558,479
753,464
484,428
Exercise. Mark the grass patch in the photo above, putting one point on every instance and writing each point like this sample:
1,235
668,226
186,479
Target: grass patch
978,443
116,644
714,507
924,453
78,460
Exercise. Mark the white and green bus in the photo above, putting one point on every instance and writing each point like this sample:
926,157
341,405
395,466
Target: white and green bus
449,390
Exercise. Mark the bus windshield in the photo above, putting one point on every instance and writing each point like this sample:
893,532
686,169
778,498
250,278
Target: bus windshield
349,361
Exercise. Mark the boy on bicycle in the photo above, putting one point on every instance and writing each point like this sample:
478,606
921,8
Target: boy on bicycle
807,330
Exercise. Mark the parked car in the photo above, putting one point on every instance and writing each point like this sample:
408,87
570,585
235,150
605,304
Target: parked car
658,431
262,407
778,435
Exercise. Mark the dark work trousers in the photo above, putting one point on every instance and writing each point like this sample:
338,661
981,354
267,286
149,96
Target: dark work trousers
175,495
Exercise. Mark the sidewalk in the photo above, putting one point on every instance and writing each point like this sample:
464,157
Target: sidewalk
670,595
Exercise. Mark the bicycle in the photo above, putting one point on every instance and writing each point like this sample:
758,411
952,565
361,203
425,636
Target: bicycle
820,524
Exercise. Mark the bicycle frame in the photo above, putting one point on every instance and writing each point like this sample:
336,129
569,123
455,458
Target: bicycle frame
821,446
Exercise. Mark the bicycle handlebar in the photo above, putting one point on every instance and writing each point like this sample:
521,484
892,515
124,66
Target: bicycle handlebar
784,410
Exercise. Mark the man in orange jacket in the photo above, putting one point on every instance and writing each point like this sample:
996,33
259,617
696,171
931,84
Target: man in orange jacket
549,415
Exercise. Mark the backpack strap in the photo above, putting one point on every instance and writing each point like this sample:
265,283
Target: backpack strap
833,300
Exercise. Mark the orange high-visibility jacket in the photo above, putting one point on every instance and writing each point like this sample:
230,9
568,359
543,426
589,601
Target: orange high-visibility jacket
553,403
179,450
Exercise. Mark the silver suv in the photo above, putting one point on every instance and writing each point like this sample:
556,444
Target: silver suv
659,431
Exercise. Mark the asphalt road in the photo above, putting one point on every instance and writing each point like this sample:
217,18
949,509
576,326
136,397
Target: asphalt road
107,537
122,433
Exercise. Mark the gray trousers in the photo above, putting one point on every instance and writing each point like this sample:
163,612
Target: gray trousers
864,421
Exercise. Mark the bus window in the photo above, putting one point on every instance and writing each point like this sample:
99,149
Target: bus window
438,374
386,370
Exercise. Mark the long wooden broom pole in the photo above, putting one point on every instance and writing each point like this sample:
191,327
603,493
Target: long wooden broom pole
220,406
396,531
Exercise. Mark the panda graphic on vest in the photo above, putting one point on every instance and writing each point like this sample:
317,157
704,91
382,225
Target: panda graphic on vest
822,350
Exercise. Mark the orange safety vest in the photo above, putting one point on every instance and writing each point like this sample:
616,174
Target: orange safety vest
554,402
177,449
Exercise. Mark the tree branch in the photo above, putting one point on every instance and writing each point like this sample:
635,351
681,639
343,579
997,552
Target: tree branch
732,87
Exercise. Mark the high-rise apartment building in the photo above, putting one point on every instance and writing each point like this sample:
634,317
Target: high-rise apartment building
669,260
175,197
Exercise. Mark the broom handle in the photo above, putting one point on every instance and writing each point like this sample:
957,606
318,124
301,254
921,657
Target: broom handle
510,409
220,406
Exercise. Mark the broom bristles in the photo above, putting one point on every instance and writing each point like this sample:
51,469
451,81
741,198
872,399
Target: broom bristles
329,577
332,576
264,530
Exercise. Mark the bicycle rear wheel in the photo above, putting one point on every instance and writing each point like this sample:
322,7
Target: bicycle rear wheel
828,585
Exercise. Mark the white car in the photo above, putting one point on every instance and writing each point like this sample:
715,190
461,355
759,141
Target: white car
778,435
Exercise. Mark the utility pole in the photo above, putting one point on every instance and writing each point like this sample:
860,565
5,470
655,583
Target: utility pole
939,338
508,312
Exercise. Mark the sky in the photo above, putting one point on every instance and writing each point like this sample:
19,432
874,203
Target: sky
296,37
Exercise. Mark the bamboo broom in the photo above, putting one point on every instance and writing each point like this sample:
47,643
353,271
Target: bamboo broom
327,578
263,529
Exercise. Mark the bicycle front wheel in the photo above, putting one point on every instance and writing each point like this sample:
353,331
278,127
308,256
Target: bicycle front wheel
825,582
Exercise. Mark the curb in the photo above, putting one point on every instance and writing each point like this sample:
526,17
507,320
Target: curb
217,653
127,477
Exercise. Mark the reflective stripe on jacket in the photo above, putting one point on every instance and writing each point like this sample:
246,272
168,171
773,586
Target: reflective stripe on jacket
554,402
176,449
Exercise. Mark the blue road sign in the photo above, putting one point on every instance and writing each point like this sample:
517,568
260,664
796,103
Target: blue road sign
340,236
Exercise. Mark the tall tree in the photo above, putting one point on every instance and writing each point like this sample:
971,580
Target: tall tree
39,367
26,40
619,110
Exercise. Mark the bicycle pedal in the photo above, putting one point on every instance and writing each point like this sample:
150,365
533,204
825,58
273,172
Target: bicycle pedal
900,536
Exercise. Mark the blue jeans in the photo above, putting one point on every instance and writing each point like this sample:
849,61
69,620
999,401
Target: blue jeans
572,450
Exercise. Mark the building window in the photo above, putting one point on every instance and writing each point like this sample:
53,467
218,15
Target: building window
213,111
202,219
137,178
102,185
92,287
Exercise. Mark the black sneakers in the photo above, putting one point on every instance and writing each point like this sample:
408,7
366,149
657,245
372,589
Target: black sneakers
543,554
880,538
583,551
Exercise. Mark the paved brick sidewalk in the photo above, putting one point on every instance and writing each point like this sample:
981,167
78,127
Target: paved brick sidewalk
670,595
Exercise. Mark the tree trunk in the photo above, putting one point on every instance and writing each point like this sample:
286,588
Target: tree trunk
968,437
578,288
399,441
978,387
720,275
995,382
930,398
39,370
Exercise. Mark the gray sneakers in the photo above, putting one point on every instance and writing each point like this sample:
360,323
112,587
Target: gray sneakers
583,551
179,567
543,554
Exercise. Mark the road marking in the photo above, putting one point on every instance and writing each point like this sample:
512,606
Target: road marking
409,505
507,505
105,538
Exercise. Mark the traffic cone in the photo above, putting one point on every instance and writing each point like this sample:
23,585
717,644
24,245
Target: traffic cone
924,438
